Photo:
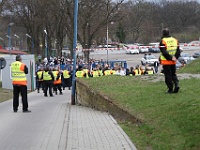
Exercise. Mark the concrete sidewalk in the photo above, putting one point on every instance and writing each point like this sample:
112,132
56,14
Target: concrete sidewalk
55,124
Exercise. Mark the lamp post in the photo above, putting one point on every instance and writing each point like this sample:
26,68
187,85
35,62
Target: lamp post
15,35
9,35
32,43
46,44
107,40
74,52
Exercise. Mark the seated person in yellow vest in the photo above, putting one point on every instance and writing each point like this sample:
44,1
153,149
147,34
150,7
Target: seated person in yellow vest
48,79
66,78
19,82
87,71
150,71
80,73
137,71
113,71
100,71
107,70
131,72
39,79
142,69
95,73
57,81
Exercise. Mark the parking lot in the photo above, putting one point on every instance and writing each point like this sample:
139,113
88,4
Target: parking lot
131,59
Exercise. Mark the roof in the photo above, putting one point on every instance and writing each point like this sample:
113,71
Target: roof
14,52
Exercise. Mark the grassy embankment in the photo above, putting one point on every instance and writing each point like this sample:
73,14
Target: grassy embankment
5,94
170,121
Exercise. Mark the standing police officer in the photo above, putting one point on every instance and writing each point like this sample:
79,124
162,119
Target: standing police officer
39,79
170,52
19,81
48,79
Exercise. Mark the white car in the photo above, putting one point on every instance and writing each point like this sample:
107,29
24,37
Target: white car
148,60
143,49
132,49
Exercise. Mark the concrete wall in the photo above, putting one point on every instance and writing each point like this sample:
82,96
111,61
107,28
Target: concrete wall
6,72
87,96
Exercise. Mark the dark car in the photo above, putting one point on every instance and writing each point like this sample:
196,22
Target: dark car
196,55
154,50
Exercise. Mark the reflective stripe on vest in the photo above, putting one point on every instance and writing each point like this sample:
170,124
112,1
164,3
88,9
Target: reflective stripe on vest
18,75
171,47
66,74
46,76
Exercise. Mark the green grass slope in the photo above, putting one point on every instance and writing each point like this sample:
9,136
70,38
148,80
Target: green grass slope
171,121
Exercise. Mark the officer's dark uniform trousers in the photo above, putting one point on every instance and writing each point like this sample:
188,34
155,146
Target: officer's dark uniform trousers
170,75
16,91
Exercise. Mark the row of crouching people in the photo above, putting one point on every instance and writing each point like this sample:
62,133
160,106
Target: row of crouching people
98,71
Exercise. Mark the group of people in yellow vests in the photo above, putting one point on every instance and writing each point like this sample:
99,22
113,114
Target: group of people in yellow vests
98,71
53,80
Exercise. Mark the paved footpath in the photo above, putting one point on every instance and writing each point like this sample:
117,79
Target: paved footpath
55,124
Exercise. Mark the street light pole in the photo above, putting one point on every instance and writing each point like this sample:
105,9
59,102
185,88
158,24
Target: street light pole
16,40
107,40
32,43
74,53
46,44
9,35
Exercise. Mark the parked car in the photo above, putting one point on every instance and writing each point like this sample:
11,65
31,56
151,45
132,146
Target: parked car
154,48
196,55
143,49
132,49
185,58
148,60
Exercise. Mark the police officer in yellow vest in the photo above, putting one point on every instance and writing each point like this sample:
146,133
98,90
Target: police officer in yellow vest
48,79
170,52
66,77
39,79
19,81
80,73
57,81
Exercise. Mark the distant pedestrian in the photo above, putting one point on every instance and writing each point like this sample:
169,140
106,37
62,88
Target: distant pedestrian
170,52
156,65
19,81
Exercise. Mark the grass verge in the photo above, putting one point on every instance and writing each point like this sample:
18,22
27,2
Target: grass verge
171,121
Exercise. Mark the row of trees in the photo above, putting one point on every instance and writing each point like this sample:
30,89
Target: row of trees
132,21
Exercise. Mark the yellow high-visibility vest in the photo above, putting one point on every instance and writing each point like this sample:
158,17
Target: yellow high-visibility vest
46,76
171,47
18,75
66,74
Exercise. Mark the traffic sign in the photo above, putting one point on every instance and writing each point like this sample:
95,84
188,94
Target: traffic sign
2,63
